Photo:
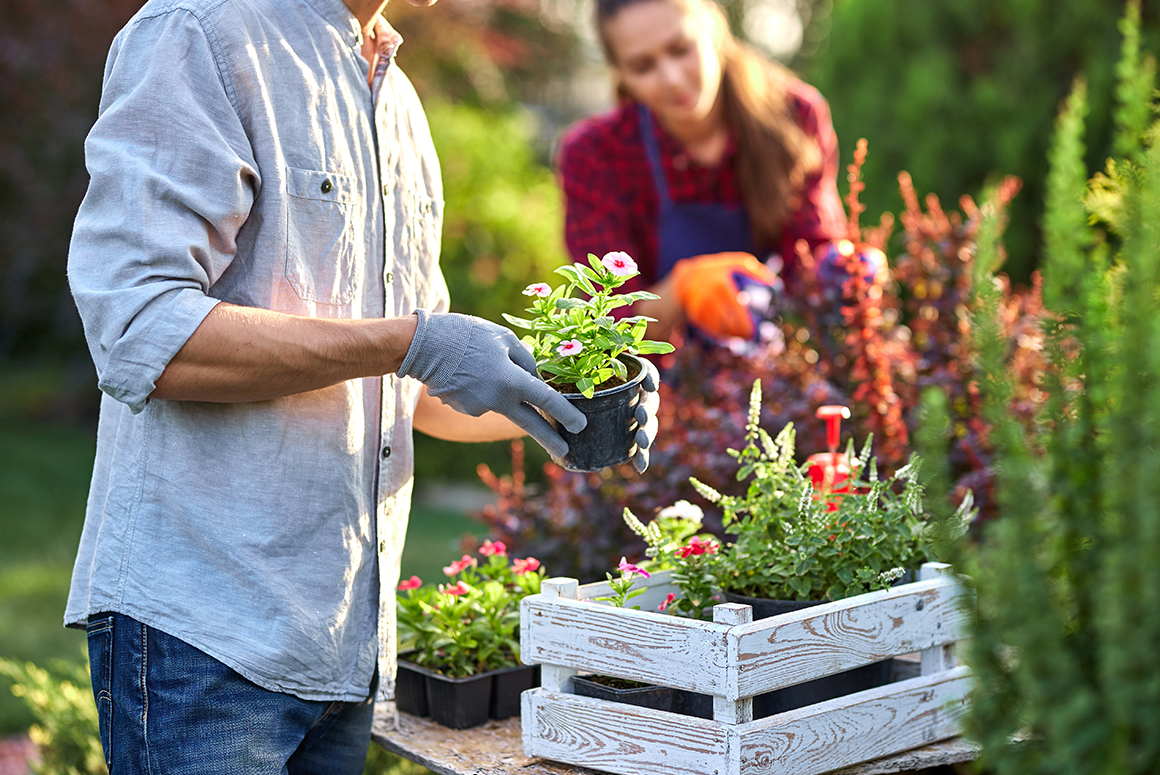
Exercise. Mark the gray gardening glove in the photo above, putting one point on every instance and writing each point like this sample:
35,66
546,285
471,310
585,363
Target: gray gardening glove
475,366
646,416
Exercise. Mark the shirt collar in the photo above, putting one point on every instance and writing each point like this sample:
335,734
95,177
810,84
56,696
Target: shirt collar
387,39
337,14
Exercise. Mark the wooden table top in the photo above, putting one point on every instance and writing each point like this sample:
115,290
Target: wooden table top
496,748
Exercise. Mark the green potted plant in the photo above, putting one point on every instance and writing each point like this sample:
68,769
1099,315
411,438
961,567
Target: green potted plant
461,640
793,545
619,689
590,356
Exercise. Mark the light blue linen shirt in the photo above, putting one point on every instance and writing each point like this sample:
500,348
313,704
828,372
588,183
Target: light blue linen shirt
240,156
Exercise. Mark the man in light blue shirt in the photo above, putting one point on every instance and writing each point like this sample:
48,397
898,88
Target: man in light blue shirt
256,266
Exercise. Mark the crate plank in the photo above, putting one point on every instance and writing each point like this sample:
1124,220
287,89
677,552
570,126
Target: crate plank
830,638
618,738
643,646
853,729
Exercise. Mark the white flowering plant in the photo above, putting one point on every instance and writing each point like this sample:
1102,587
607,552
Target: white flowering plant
578,342
792,542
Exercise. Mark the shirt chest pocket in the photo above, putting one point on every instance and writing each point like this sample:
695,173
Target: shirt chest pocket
321,236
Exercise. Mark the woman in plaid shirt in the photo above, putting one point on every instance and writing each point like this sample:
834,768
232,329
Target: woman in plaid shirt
714,149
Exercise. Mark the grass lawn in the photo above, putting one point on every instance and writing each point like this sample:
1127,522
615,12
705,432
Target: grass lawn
44,478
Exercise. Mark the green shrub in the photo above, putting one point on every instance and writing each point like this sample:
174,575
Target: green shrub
66,716
1065,635
957,90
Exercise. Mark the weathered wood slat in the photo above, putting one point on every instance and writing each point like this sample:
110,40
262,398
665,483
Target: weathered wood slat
833,637
655,588
853,729
643,646
618,738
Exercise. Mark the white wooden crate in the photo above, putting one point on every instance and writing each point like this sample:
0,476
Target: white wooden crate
734,658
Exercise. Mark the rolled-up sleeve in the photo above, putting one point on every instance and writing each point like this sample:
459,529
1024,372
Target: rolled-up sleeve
172,181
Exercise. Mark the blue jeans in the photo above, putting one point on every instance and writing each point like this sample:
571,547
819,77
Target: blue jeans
166,707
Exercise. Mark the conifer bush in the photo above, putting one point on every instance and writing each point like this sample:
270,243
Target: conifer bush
1066,635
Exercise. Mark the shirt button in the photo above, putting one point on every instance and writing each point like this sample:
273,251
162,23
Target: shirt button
382,546
386,189
386,452
390,277
326,186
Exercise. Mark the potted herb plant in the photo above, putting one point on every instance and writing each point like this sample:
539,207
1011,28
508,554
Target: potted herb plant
591,356
461,640
795,546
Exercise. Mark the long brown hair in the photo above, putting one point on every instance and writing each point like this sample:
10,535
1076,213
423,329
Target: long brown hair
774,156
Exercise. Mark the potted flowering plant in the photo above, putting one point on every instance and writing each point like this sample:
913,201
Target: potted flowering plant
590,356
619,689
461,639
794,546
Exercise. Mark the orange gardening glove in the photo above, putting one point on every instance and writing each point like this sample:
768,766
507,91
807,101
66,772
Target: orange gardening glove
707,290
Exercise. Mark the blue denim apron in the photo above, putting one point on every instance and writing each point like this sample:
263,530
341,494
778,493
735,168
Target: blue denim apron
689,229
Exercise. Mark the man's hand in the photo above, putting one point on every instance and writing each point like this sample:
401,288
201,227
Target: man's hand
646,417
475,366
707,289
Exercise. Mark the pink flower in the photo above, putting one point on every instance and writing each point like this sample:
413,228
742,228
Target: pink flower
523,566
571,347
619,263
627,567
668,599
538,289
697,547
496,548
461,565
412,583
459,588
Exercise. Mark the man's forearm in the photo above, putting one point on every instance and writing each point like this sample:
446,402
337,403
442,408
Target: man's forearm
241,354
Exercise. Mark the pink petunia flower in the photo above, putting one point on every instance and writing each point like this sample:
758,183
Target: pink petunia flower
538,289
412,583
497,548
627,567
571,347
461,565
698,547
619,263
457,589
668,599
524,566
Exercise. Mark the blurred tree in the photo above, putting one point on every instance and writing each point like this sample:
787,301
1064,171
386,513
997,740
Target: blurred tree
959,90
52,54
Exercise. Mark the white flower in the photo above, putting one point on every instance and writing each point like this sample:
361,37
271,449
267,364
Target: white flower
683,510
890,576
538,289
571,347
706,492
619,263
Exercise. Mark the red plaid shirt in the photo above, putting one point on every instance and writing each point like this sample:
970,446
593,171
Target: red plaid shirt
612,204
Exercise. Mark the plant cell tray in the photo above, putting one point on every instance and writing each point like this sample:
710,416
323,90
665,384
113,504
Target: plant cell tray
733,659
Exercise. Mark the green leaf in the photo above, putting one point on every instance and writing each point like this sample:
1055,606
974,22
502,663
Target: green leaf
518,322
586,386
619,369
569,272
650,347
570,304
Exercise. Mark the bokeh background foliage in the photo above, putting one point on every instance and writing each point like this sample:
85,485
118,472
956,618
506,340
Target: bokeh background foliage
957,92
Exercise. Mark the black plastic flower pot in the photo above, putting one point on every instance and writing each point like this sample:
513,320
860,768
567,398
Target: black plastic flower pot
609,439
411,689
655,697
820,689
459,703
507,686
692,704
